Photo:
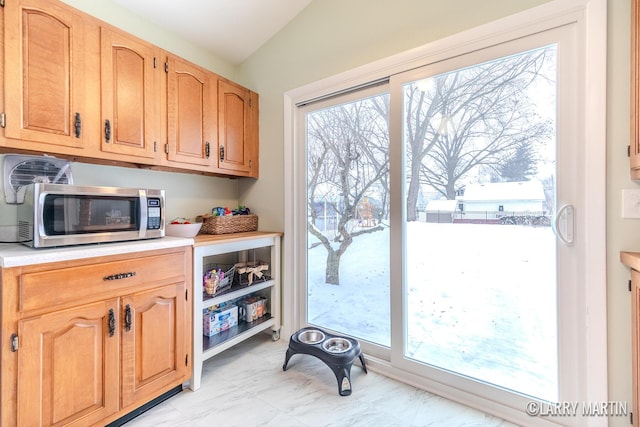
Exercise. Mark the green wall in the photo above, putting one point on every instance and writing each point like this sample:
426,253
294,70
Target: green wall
332,36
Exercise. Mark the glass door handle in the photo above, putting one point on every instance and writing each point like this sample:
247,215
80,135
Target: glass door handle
566,234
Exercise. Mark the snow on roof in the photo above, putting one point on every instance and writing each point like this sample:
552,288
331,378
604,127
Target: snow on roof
525,190
441,205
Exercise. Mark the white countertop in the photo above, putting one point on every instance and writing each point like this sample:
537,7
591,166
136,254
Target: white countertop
17,255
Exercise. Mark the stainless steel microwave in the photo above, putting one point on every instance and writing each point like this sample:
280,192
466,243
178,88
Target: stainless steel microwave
61,215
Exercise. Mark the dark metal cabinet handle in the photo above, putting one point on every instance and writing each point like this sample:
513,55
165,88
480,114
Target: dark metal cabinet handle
127,318
15,341
78,124
222,153
112,322
207,149
119,276
107,130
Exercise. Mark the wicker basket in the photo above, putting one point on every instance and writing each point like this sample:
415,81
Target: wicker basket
248,273
228,224
218,286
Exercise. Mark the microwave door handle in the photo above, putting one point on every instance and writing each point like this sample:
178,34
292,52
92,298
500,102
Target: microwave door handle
143,214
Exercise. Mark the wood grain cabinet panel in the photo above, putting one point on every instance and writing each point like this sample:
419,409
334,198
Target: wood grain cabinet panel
191,113
130,95
122,344
84,89
634,145
635,343
45,92
68,367
235,139
153,342
253,135
69,285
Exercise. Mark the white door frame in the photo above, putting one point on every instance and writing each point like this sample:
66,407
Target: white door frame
589,18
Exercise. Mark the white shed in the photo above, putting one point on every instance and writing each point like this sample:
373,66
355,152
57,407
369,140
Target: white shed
440,210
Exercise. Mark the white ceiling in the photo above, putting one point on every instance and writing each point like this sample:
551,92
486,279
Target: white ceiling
230,29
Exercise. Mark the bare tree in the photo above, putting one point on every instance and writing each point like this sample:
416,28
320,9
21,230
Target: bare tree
469,118
348,160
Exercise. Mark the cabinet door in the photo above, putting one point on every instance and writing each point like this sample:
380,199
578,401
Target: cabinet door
233,127
44,86
253,143
191,113
68,366
130,95
635,343
154,342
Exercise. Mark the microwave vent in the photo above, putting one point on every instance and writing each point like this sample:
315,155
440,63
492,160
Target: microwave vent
19,170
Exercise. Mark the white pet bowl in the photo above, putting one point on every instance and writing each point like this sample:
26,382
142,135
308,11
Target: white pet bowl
182,230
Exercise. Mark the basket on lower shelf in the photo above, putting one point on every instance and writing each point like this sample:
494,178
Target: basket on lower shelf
228,224
217,278
249,273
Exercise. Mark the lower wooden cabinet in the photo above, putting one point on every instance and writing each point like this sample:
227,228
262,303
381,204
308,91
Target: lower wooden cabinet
91,357
632,260
635,343
154,355
68,366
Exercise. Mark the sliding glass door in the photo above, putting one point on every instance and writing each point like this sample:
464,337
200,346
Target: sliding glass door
444,220
348,284
481,264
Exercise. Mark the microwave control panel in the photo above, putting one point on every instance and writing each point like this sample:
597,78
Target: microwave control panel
153,214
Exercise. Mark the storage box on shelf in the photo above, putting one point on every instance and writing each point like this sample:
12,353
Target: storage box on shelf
219,320
257,304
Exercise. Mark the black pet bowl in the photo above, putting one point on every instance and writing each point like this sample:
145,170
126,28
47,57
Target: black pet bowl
337,352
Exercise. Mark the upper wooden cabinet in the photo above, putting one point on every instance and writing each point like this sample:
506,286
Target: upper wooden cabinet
47,101
237,137
191,114
254,135
130,86
81,88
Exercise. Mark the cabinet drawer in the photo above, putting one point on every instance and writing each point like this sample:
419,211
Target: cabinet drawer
89,282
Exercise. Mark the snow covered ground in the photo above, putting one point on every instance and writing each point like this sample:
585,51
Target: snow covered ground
481,300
